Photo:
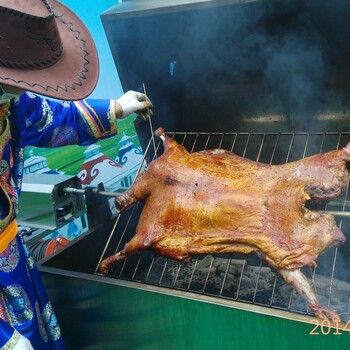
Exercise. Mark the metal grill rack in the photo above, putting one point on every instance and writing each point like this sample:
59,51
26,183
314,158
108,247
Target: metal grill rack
235,276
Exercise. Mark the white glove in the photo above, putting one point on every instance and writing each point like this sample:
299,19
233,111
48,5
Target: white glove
135,102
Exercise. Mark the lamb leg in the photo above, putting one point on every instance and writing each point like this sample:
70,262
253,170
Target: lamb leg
302,286
139,191
129,249
137,243
106,264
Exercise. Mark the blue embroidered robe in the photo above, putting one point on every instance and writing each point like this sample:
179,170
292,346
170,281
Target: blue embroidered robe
36,121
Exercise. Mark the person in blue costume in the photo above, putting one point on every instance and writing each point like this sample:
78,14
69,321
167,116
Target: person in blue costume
48,67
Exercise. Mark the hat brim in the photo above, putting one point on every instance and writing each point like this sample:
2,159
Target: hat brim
75,75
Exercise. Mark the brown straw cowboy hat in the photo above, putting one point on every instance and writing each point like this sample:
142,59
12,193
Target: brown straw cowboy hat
45,48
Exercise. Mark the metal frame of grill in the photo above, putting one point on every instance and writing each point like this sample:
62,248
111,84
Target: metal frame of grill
235,277
207,78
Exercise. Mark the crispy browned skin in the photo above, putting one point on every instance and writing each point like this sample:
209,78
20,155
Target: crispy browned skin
218,202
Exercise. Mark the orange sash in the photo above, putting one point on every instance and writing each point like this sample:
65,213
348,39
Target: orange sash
7,235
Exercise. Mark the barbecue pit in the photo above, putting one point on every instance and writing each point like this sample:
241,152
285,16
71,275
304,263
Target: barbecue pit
267,80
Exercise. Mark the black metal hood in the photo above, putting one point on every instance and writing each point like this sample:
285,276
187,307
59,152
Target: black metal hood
230,65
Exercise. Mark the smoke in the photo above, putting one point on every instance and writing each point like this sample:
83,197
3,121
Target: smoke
261,56
298,72
244,58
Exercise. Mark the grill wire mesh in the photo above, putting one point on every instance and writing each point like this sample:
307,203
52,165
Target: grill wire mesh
235,276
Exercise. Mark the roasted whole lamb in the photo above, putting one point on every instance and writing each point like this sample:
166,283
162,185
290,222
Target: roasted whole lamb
217,202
